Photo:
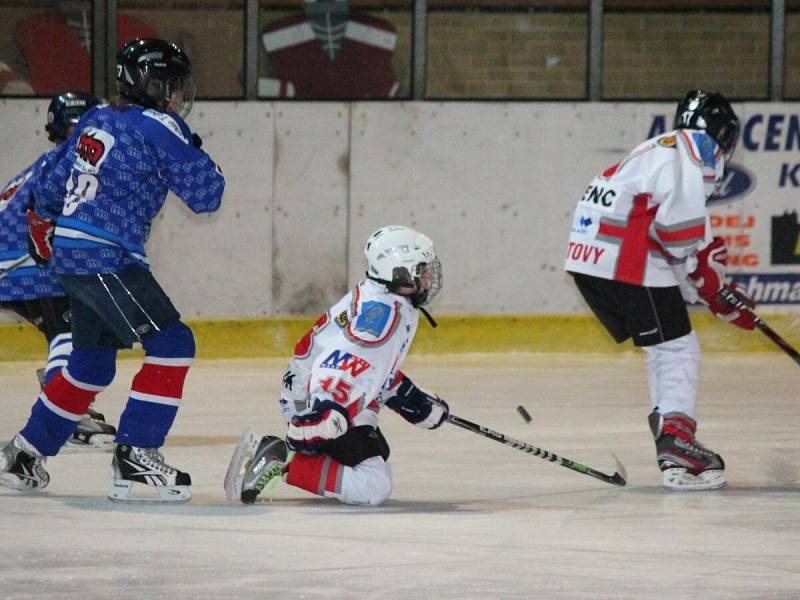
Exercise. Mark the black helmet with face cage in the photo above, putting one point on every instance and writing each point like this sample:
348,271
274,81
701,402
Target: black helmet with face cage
712,113
150,71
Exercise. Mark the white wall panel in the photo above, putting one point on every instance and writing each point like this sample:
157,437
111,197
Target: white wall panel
220,265
22,131
493,184
311,163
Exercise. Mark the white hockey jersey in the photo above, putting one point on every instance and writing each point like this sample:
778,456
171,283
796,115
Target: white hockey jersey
353,354
640,219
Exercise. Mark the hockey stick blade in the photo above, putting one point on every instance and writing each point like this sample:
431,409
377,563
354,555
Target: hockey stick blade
619,478
731,298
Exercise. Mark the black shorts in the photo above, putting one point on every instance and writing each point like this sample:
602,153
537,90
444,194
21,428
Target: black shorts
51,316
649,315
357,445
117,309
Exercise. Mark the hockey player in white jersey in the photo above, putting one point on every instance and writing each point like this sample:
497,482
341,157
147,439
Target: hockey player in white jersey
641,244
344,371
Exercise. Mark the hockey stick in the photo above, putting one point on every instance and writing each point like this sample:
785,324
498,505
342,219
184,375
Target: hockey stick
618,478
15,265
731,298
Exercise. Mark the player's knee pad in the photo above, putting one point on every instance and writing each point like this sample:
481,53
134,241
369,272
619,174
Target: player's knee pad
176,341
381,488
94,366
367,484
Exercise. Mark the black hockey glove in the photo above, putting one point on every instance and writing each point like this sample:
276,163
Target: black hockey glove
417,406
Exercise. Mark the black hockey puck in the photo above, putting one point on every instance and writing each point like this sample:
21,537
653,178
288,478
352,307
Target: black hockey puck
524,413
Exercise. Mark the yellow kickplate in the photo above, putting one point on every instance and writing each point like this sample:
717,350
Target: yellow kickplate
257,338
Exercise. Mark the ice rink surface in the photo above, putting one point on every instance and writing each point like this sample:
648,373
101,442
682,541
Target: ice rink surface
468,518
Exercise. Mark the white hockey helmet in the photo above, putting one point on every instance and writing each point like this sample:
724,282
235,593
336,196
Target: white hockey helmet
405,262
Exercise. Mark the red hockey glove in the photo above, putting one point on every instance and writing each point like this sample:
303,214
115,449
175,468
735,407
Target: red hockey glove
309,432
725,312
709,276
40,238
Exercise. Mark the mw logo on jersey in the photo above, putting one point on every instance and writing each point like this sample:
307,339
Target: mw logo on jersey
344,361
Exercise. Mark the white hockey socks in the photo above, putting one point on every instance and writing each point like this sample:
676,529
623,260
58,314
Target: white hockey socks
672,370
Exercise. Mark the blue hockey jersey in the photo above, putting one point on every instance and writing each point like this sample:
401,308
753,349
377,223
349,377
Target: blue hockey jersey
113,181
27,281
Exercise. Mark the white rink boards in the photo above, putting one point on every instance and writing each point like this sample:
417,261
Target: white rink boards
469,518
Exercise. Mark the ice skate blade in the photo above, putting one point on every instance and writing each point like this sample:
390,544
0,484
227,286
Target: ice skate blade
121,492
99,442
244,452
679,480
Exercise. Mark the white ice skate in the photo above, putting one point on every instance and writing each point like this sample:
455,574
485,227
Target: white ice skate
145,467
22,467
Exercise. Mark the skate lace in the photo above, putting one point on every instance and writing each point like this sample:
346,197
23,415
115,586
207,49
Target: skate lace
695,447
270,479
152,458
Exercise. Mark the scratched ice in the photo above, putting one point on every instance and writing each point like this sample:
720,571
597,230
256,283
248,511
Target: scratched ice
469,517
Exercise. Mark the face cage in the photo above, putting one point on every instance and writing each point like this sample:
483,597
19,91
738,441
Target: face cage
162,90
728,139
435,268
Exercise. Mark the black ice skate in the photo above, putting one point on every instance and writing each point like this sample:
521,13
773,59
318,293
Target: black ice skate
93,433
22,467
255,465
146,466
685,463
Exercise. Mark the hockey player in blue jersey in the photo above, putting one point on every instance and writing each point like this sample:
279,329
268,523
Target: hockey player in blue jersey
34,293
91,220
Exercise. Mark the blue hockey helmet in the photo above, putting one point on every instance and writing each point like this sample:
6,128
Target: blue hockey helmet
65,110
712,113
155,73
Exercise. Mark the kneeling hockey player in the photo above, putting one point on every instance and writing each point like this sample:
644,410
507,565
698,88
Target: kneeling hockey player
343,372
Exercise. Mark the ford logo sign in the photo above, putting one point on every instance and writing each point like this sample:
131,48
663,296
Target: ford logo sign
737,182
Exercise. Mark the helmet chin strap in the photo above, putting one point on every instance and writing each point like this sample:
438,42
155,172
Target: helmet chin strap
428,316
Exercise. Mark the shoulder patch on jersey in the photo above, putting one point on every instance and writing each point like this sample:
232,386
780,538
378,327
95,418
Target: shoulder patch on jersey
167,121
92,149
706,146
342,320
373,317
668,141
